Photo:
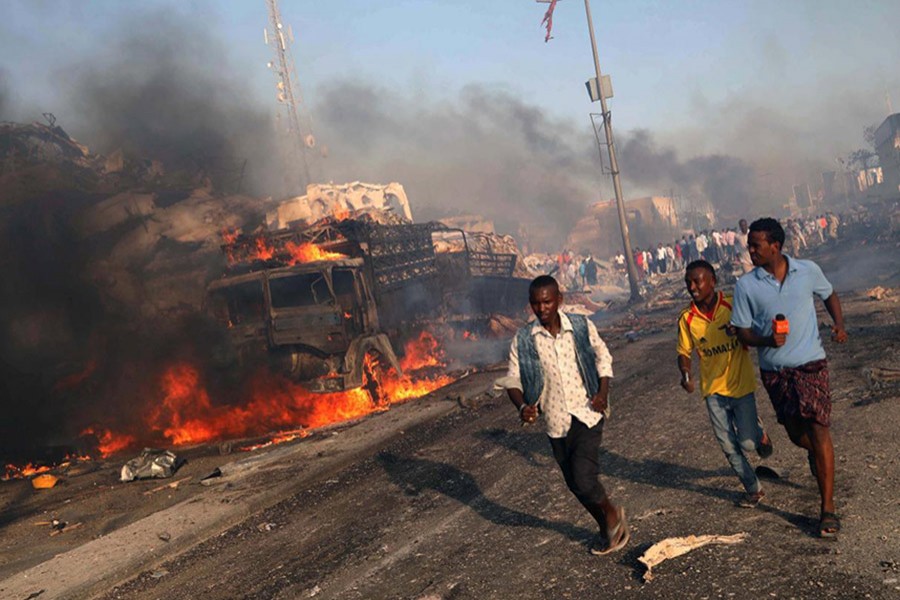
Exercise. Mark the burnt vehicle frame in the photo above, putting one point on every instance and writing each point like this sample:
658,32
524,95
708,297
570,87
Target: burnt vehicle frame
317,321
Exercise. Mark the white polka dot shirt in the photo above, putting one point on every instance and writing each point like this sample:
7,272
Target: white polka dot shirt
564,393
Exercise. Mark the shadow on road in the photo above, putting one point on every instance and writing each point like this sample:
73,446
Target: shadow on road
531,444
414,475
652,472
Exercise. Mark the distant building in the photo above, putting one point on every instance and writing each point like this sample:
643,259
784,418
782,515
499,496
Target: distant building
887,146
650,220
870,177
802,198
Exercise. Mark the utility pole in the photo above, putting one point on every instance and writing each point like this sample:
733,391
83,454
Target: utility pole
613,164
298,133
600,90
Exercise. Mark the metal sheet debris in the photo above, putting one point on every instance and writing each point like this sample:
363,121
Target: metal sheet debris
151,464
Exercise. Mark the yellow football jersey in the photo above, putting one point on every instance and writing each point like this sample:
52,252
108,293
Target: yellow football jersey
725,366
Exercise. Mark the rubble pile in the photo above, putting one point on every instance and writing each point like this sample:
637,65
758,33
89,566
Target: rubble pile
487,243
152,234
39,143
323,200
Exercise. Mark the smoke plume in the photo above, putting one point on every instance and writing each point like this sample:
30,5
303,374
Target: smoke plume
485,152
167,91
728,182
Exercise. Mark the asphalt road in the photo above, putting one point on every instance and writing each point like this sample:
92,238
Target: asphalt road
471,505
439,499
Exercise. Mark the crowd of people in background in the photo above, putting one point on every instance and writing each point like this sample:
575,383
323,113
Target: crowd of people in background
725,247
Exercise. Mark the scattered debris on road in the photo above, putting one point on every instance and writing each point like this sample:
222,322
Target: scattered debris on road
151,464
171,485
878,293
58,526
676,546
880,376
44,482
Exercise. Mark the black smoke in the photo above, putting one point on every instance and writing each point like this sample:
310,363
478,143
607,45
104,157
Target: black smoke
485,152
167,91
729,183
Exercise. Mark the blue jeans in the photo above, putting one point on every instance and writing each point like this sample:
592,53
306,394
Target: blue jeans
738,430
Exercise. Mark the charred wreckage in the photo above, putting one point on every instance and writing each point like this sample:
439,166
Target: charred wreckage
319,302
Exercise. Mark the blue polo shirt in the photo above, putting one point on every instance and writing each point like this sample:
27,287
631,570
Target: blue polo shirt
758,297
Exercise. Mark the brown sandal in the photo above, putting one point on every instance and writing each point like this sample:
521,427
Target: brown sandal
618,537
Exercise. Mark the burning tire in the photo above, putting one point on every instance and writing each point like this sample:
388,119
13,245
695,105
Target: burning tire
374,370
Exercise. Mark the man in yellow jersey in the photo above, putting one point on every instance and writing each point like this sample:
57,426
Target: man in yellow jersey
727,379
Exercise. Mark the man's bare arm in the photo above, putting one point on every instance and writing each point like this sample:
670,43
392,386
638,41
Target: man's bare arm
527,412
601,400
833,306
684,366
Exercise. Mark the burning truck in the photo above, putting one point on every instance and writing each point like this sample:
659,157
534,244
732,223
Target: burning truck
329,304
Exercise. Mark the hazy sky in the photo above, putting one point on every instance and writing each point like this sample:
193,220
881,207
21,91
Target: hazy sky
672,62
786,86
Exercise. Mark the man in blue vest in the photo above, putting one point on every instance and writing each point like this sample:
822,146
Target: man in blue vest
560,368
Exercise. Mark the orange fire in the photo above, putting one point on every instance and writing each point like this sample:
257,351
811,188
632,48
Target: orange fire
263,250
422,352
309,252
30,469
109,443
468,335
16,472
230,236
280,438
185,413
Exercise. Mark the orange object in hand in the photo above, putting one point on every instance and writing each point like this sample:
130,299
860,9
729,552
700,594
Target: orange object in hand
780,324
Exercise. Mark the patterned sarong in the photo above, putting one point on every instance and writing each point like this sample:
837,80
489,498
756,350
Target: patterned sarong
800,392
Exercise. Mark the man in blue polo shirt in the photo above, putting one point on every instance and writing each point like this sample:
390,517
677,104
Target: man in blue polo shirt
792,365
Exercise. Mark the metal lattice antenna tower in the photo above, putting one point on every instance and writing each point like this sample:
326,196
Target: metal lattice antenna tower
298,126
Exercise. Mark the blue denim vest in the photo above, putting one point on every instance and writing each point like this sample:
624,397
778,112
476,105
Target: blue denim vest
532,374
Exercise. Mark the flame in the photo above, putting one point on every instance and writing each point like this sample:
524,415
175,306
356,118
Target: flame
263,250
424,351
109,443
184,412
400,388
230,236
309,252
279,438
16,472
468,335
186,415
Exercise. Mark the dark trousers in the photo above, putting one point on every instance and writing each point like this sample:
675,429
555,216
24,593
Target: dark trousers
578,455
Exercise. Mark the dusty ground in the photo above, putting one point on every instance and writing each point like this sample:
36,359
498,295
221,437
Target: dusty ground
447,499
